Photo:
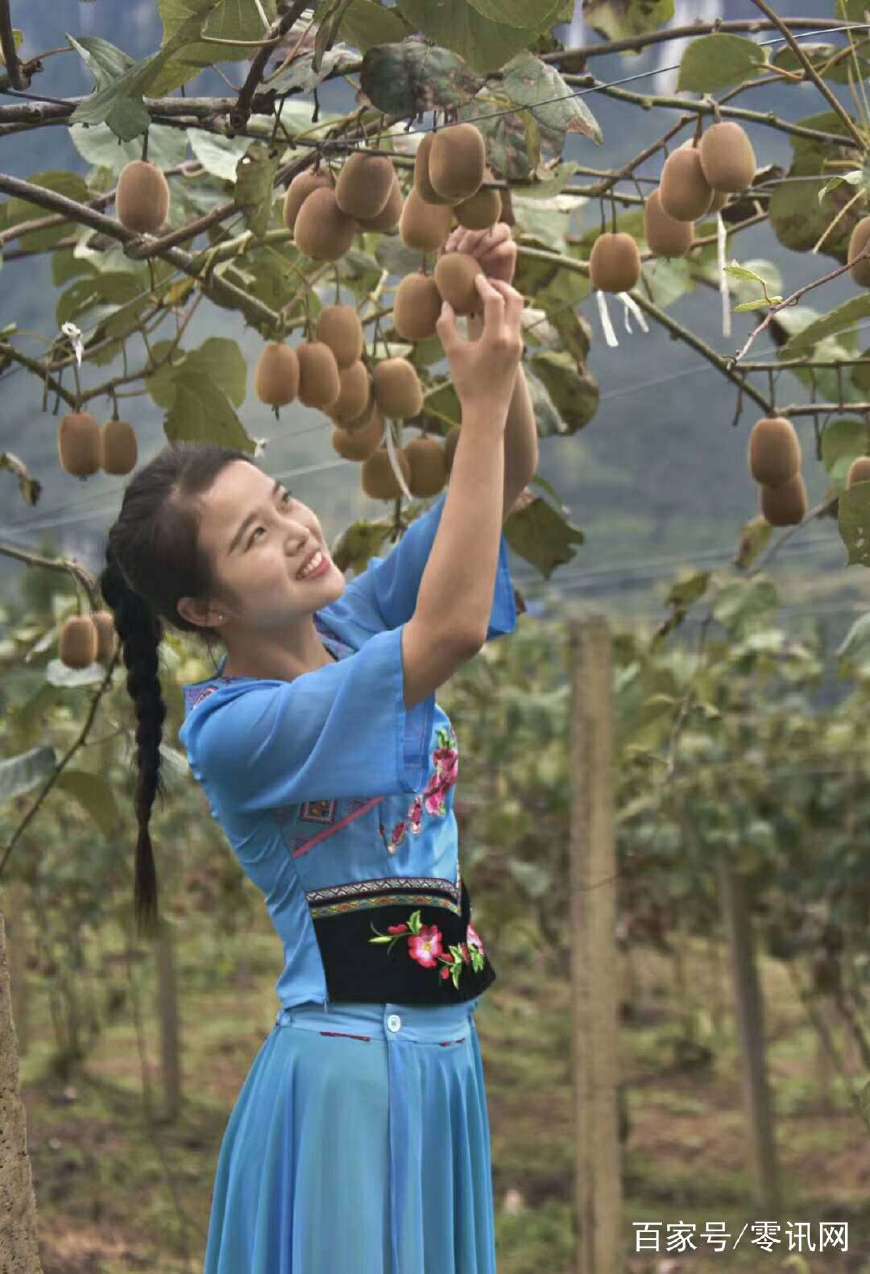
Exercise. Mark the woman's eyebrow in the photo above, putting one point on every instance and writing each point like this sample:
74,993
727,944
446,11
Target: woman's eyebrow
250,518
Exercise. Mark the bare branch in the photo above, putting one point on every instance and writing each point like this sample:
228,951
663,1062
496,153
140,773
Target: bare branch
14,70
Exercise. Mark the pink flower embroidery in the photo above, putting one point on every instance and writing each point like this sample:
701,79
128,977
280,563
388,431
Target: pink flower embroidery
434,798
425,945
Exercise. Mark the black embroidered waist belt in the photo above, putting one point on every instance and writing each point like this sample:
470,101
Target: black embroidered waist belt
402,939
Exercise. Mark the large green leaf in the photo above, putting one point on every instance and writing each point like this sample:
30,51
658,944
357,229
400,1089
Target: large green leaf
484,44
16,210
797,217
167,146
254,188
574,393
222,361
96,289
224,20
717,61
365,24
412,77
513,139
527,80
839,320
201,412
543,535
539,16
620,19
19,774
853,516
842,441
94,795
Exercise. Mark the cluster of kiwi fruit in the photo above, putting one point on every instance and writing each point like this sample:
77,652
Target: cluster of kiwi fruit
84,446
775,457
85,639
142,197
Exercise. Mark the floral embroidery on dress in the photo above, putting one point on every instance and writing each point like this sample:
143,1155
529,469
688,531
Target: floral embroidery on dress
434,799
426,946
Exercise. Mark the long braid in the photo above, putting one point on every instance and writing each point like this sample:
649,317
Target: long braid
140,632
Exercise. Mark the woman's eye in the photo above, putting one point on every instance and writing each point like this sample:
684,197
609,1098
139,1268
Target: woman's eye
287,495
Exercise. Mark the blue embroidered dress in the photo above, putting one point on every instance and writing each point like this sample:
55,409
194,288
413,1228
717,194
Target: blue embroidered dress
338,803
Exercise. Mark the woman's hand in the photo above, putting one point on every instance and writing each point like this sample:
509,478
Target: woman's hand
484,370
494,249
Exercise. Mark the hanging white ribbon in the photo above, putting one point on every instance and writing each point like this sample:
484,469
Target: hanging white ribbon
631,304
75,335
609,334
394,459
721,235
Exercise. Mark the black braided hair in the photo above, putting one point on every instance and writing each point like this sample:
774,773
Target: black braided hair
154,558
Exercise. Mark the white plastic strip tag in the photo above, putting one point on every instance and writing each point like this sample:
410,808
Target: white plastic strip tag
394,460
609,334
631,304
75,335
721,236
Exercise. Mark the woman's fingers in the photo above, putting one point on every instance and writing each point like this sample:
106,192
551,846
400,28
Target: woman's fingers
445,326
493,303
514,300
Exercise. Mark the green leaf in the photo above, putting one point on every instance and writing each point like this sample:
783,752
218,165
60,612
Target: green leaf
796,216
167,146
668,278
527,80
541,534
220,359
620,19
714,62
857,177
412,77
574,393
201,412
20,774
96,289
453,24
16,210
528,17
94,795
743,272
366,24
218,155
761,304
839,320
853,518
104,61
221,19
842,441
513,140
254,188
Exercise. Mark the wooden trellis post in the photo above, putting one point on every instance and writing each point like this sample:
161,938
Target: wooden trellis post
594,957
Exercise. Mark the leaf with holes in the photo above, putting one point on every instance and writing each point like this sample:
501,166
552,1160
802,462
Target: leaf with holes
412,77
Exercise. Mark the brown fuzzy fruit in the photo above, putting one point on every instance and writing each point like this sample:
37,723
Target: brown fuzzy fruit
727,157
428,466
416,307
614,263
298,191
276,379
142,197
323,232
422,184
665,236
859,241
339,327
364,184
455,273
457,162
774,452
118,448
482,210
785,505
377,477
78,642
79,444
388,218
424,226
397,387
354,395
685,192
359,444
859,471
107,634
319,384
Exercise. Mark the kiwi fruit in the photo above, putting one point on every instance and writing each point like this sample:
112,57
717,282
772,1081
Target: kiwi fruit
354,393
482,210
340,328
720,198
322,231
457,162
416,307
684,190
319,384
424,226
142,197
450,442
107,634
455,273
774,452
377,477
614,263
359,444
785,505
78,642
364,184
276,379
665,236
428,466
860,239
364,419
859,471
298,191
388,218
119,451
79,444
397,388
727,158
422,184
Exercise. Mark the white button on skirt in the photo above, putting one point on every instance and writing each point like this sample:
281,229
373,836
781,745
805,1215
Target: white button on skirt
360,1144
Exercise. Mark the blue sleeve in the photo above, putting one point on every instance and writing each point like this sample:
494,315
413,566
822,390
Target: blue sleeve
384,595
342,730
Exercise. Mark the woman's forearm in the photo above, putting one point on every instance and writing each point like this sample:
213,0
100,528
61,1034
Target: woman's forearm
521,431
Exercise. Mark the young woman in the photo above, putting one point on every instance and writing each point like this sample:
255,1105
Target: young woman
360,1140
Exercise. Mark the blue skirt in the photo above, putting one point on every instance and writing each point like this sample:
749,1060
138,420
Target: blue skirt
359,1144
